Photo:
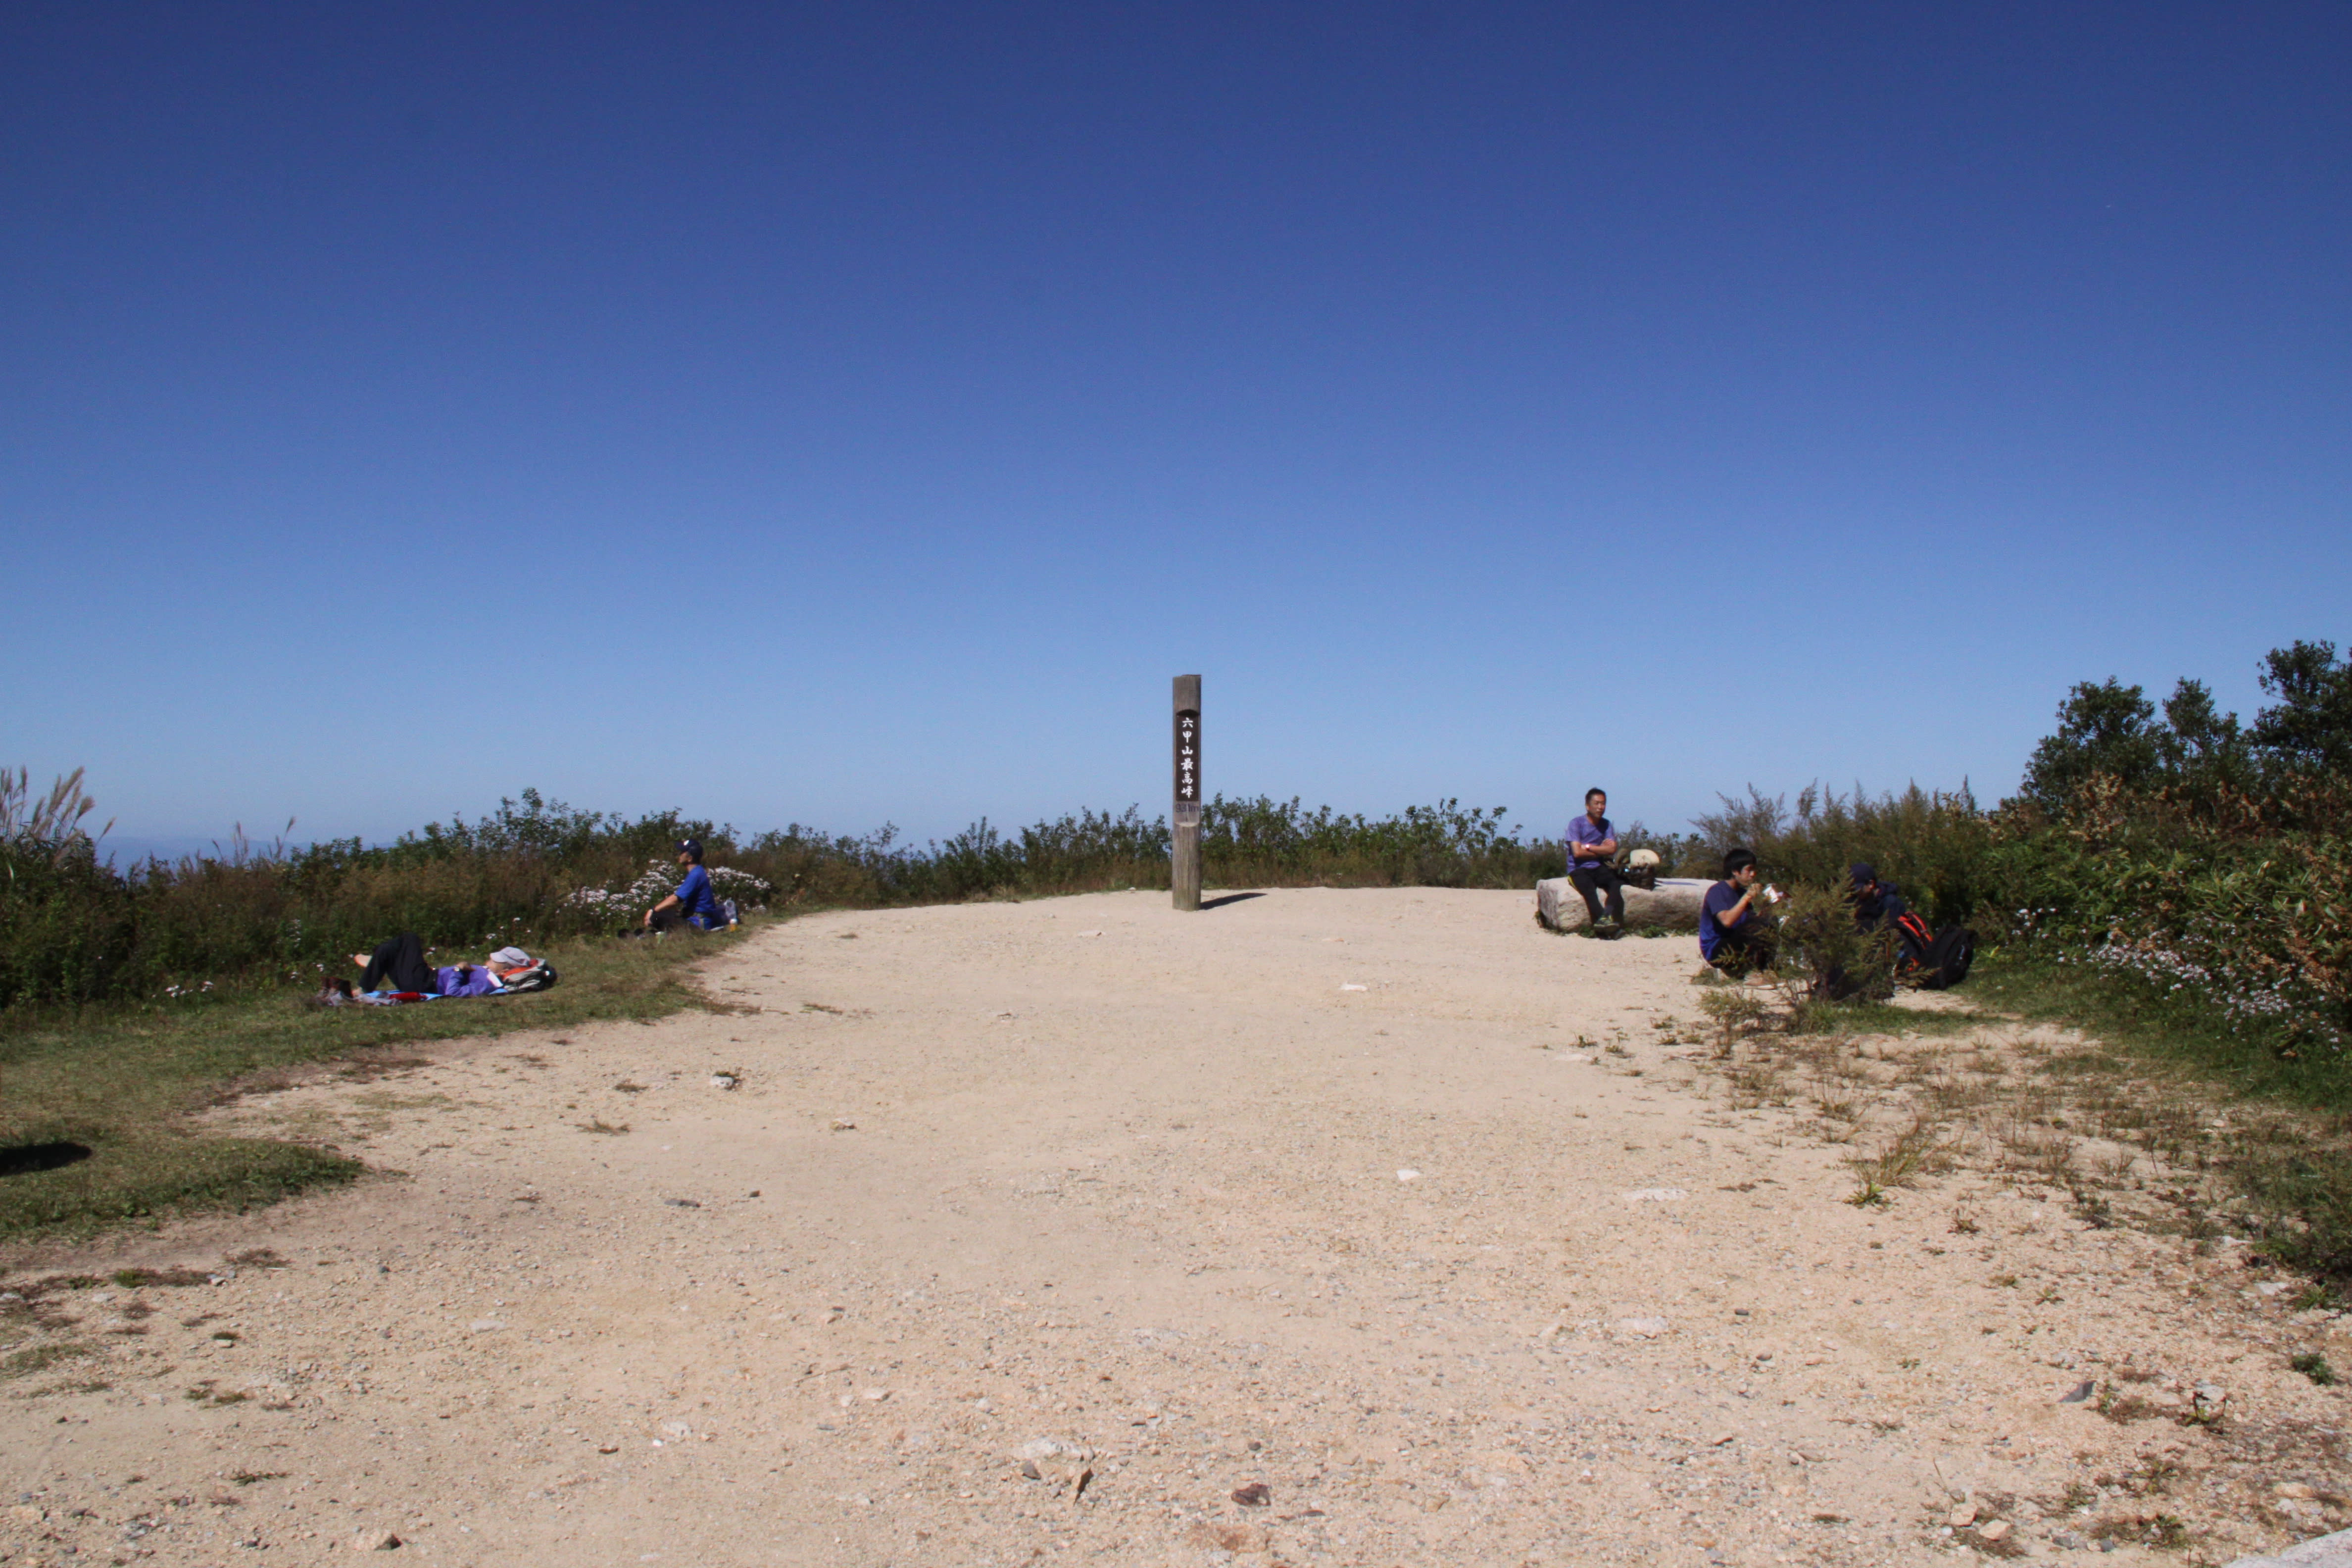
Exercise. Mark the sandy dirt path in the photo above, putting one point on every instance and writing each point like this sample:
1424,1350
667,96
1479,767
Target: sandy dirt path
1338,1194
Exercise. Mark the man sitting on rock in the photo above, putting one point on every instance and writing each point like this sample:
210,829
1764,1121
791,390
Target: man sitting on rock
1732,934
1592,853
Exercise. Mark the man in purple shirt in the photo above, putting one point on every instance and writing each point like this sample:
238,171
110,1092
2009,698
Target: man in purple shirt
1591,855
1732,936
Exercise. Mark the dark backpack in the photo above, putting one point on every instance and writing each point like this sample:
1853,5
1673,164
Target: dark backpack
538,977
1948,957
1933,961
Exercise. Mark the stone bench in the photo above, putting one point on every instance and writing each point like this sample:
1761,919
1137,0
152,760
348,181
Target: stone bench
1674,904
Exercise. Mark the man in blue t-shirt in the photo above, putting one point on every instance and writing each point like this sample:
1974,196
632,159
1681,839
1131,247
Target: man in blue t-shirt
694,904
1591,863
1732,934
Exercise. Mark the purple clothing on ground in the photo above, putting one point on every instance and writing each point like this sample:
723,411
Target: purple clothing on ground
467,980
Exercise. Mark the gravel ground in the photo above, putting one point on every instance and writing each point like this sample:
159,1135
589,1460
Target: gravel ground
1323,1227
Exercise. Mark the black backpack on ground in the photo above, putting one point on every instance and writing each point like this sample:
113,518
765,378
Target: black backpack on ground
1932,961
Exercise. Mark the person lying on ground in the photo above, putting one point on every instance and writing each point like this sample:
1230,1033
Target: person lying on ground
398,964
1592,854
509,961
1734,935
694,906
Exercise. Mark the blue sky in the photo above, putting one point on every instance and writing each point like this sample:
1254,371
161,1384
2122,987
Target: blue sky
844,414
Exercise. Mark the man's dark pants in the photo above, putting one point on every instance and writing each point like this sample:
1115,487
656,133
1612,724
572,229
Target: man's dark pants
1593,883
1745,948
401,961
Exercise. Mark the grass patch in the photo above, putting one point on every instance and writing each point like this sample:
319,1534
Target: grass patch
2126,1015
1864,1016
2283,1136
119,1081
40,1358
2162,1116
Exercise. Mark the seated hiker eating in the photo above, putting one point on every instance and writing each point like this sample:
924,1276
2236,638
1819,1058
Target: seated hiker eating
694,907
1733,934
1592,854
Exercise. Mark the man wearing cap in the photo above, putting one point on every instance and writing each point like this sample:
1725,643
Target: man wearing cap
1875,903
694,904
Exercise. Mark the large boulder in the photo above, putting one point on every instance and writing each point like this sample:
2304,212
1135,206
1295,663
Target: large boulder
1673,904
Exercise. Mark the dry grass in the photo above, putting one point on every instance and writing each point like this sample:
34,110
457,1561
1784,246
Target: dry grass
1734,1012
1922,1148
2122,1139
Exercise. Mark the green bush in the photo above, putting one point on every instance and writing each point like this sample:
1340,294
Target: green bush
2199,867
75,930
68,926
2236,903
1824,956
1933,846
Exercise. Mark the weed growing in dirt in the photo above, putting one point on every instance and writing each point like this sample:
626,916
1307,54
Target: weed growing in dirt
1902,1159
2314,1365
1733,1013
40,1358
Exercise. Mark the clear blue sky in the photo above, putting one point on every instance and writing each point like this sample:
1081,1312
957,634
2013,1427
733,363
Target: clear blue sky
853,413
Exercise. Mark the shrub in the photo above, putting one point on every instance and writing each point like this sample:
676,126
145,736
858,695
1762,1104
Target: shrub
1823,954
1933,846
73,929
2234,903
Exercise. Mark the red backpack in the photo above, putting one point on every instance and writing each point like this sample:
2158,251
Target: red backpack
1932,960
1912,932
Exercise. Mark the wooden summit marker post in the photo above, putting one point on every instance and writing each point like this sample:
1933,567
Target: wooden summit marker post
1184,872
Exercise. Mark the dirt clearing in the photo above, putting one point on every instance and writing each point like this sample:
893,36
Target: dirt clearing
1322,1226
